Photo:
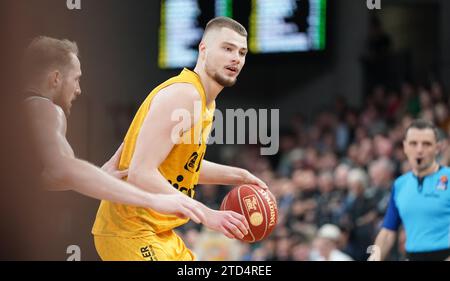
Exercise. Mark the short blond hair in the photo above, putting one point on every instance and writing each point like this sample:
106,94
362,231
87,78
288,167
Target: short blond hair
226,22
44,53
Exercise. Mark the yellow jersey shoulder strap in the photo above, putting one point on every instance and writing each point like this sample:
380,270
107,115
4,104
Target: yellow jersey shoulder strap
186,76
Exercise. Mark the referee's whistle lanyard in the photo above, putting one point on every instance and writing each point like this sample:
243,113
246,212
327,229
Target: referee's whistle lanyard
421,179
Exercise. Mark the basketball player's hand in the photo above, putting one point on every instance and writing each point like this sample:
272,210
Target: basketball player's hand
112,164
179,205
249,178
231,224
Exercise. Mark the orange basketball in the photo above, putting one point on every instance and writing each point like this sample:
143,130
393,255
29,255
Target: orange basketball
257,205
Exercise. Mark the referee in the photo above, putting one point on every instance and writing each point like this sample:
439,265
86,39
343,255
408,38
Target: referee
420,200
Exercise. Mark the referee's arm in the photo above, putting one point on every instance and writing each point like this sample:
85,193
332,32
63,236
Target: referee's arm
388,233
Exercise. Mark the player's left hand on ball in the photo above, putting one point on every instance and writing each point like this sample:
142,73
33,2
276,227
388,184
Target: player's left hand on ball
231,224
252,179
111,166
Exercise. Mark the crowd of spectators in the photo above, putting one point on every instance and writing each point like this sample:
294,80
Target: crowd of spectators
332,177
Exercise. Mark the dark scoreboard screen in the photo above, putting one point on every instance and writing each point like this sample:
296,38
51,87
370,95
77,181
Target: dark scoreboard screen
274,26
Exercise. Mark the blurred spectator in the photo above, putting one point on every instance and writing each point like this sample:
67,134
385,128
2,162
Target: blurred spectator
303,208
442,116
328,201
214,246
301,247
381,173
325,246
358,215
287,144
283,249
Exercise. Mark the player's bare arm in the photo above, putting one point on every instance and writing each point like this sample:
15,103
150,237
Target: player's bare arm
156,140
213,173
62,171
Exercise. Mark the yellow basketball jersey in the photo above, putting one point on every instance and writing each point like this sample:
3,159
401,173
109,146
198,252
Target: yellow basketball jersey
180,168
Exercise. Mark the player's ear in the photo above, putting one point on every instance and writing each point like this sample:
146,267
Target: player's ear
54,78
202,49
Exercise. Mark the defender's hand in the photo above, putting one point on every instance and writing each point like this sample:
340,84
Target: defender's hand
179,205
111,166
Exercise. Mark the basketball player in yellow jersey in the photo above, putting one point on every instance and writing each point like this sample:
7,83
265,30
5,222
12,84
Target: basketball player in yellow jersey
165,157
52,74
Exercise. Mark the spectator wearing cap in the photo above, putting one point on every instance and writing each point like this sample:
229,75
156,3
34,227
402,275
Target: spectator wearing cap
325,246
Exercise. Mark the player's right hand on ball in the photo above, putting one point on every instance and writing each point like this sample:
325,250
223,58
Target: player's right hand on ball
231,224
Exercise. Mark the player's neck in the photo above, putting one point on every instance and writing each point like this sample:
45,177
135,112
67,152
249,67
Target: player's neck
40,92
211,87
431,169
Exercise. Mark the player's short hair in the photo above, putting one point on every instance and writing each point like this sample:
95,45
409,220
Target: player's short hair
226,22
44,53
422,124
